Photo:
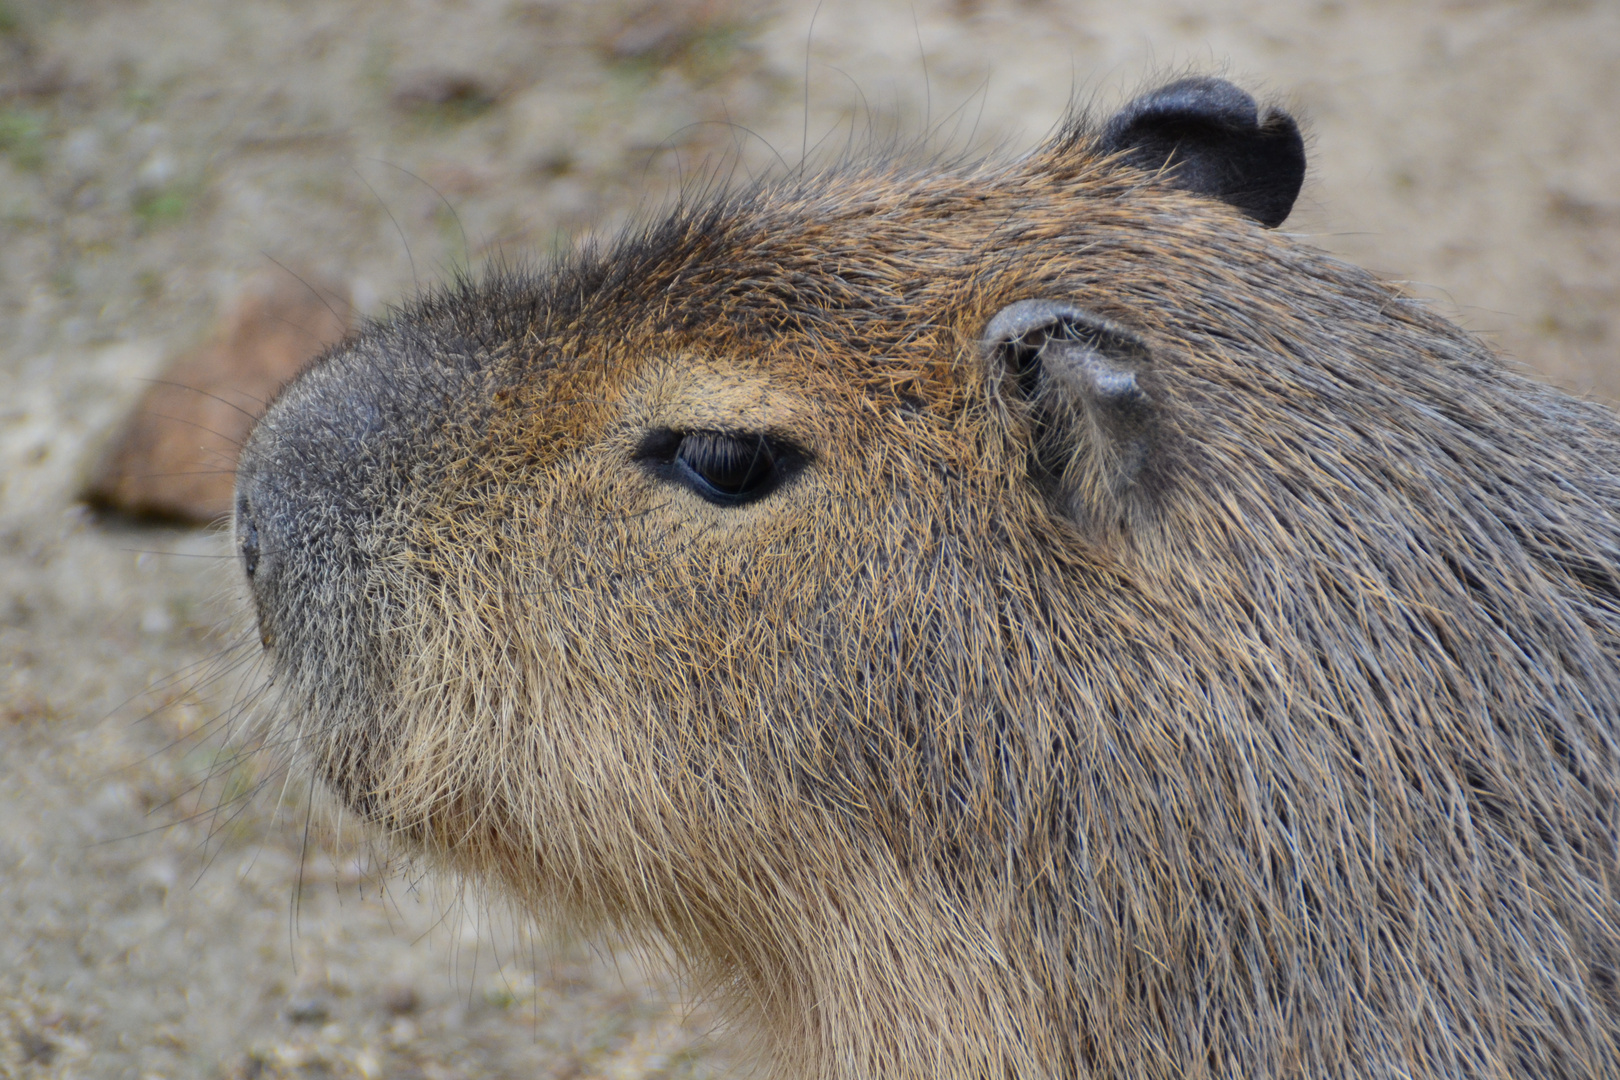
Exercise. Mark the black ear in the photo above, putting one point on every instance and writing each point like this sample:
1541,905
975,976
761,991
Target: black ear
1210,137
1094,423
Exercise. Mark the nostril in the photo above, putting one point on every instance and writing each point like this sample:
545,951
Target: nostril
247,539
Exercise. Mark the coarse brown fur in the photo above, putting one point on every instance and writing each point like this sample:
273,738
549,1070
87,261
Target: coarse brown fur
1295,756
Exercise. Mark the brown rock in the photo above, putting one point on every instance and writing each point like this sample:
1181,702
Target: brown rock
175,458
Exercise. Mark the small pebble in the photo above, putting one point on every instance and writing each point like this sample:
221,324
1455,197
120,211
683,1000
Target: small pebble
307,1011
401,1000
428,89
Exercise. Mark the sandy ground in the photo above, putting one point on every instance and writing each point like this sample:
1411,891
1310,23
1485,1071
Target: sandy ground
163,909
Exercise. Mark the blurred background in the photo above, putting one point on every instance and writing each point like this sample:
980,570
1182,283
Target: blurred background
197,192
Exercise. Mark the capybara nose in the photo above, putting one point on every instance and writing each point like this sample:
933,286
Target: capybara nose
322,476
248,549
247,538
299,513
276,526
297,504
264,530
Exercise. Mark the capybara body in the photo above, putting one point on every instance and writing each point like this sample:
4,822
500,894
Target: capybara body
993,620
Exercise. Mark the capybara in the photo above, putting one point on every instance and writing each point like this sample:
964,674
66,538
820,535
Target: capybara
991,619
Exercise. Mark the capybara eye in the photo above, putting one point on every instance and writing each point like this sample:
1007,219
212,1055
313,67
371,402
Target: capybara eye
733,468
723,467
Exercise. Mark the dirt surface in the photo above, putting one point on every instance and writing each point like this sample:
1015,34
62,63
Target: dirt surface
169,904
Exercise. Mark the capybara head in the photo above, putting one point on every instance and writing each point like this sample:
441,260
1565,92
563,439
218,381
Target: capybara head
1014,619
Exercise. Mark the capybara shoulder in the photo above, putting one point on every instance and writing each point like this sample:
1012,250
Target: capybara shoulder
1014,619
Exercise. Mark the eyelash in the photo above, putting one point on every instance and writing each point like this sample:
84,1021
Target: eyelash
725,468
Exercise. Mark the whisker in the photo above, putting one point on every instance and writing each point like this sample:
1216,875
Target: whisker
207,394
416,282
343,320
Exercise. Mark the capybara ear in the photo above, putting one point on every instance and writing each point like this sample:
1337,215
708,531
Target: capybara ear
1080,374
1208,137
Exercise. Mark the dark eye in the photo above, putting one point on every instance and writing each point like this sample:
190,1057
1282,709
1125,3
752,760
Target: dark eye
726,468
